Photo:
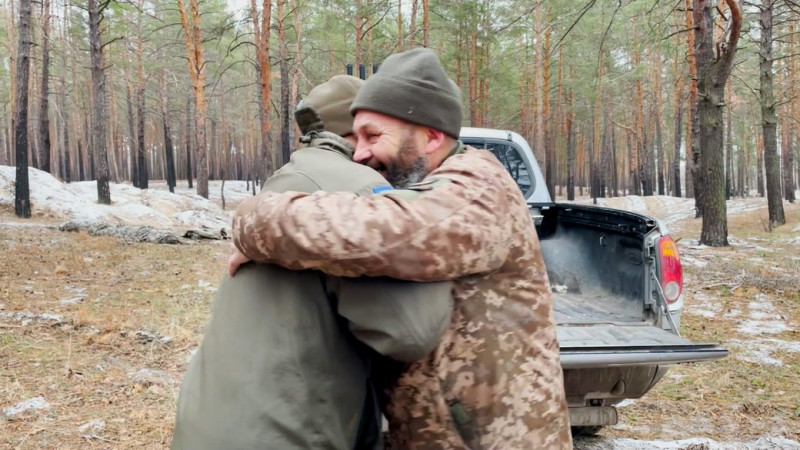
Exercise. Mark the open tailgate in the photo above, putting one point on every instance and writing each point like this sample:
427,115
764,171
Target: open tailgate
609,345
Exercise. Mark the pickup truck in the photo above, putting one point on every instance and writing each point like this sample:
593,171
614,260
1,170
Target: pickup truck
617,288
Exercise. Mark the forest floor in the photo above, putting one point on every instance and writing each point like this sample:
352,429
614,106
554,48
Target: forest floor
95,335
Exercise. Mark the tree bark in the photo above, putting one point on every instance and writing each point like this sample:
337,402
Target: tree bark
188,141
287,117
426,27
261,31
692,151
713,72
168,149
22,201
44,107
729,144
570,157
99,152
132,148
141,153
190,21
769,117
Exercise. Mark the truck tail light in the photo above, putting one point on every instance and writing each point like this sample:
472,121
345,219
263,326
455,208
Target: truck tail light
671,270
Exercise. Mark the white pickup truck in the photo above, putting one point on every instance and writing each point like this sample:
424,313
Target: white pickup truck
617,287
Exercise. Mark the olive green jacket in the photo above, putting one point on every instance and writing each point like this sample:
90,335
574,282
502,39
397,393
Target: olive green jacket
278,369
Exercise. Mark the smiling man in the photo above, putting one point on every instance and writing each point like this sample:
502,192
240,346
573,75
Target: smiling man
495,380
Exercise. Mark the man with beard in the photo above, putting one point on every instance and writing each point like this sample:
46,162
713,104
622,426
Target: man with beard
277,368
495,380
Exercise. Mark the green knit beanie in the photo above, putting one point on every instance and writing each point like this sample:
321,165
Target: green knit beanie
327,106
413,86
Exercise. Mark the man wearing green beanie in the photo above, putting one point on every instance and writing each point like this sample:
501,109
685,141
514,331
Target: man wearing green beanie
278,367
495,380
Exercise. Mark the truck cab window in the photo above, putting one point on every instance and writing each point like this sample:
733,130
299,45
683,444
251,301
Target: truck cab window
512,160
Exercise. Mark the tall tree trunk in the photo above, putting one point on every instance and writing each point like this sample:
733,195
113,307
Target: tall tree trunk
190,21
550,152
65,153
713,72
22,201
729,144
287,118
400,41
359,36
790,144
141,153
678,117
678,132
570,157
188,141
44,109
168,150
99,153
769,118
261,31
132,148
762,192
660,159
298,64
692,149
426,27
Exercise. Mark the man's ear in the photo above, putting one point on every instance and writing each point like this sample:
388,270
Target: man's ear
433,140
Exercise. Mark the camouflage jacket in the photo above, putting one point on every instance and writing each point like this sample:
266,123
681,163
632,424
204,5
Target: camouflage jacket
494,381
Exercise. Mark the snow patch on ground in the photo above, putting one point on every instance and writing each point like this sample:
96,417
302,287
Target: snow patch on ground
702,305
670,209
698,443
762,318
761,351
35,403
156,207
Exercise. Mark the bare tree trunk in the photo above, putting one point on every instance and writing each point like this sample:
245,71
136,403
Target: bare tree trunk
168,150
359,35
791,142
100,152
197,71
659,160
713,72
570,157
133,147
141,153
729,144
287,118
44,109
769,118
678,132
692,150
426,28
297,66
22,201
400,41
188,141
261,32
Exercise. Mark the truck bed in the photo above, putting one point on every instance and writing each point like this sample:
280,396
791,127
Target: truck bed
598,309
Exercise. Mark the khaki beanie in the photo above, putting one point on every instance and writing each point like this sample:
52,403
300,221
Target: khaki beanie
413,86
329,103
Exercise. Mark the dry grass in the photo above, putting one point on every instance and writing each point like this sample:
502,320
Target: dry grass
107,360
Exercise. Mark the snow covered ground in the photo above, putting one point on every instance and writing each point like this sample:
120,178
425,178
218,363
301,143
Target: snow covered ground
156,207
670,209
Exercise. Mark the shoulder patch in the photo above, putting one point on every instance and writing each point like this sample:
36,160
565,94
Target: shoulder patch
414,190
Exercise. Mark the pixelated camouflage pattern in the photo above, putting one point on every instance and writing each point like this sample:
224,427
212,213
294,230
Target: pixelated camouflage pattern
494,381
